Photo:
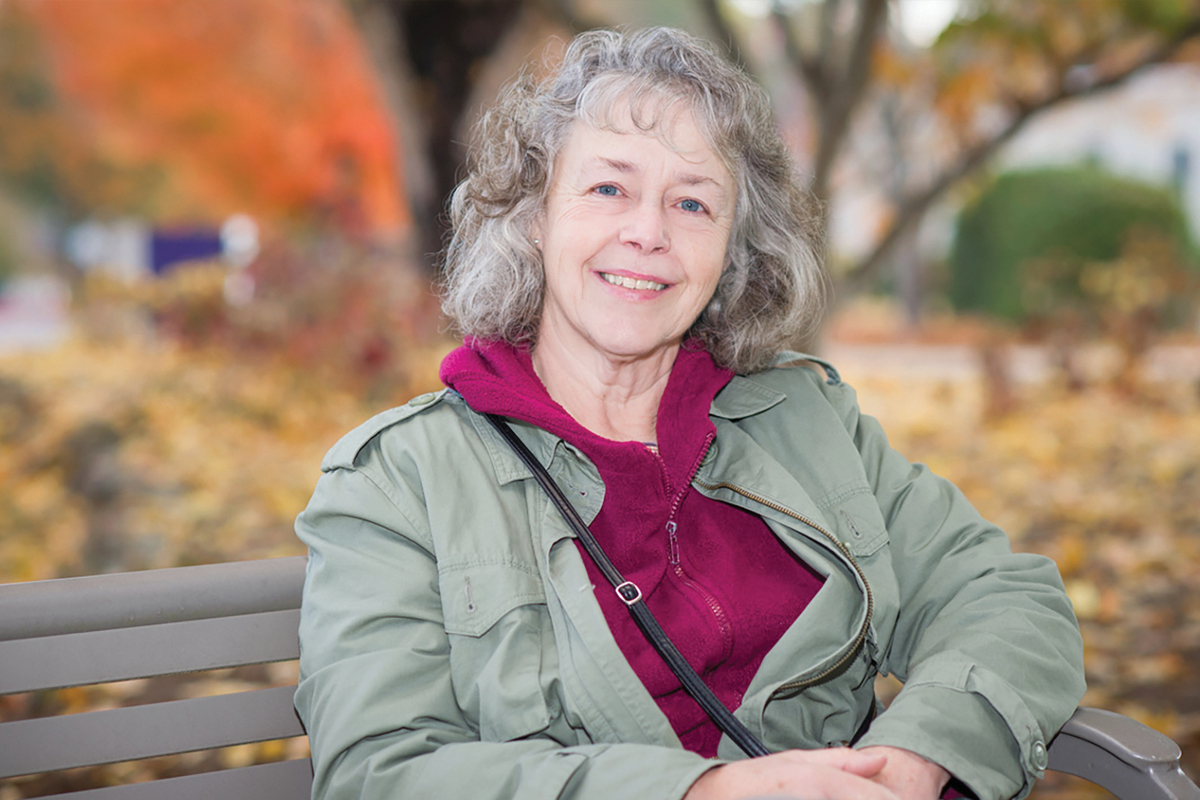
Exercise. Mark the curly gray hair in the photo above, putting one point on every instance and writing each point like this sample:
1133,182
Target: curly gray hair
772,288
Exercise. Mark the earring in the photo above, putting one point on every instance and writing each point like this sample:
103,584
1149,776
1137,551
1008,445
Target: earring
537,241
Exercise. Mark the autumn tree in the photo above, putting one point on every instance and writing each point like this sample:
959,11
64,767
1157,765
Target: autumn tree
48,158
940,113
437,61
999,66
267,107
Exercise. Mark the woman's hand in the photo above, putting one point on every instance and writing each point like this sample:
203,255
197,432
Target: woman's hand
835,774
909,775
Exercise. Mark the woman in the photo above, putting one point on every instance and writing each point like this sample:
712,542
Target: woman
628,261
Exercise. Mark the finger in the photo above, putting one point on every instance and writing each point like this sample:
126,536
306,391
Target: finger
841,785
796,774
836,784
843,758
864,765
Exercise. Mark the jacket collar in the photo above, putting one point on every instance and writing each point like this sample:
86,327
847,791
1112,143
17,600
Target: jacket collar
744,397
569,468
507,465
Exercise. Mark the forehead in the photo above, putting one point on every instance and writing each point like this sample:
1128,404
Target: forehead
628,131
639,107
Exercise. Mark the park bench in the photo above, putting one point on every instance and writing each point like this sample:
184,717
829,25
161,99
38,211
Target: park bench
106,628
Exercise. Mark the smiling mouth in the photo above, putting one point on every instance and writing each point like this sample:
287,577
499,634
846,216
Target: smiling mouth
632,283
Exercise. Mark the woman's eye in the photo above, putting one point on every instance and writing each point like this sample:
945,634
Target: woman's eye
607,189
691,205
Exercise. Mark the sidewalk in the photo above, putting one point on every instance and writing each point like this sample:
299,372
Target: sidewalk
33,313
1029,363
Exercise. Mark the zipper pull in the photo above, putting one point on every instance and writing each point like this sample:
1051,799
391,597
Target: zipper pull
674,542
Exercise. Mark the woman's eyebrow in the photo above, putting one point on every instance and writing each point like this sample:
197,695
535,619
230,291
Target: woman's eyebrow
693,179
613,163
682,178
686,178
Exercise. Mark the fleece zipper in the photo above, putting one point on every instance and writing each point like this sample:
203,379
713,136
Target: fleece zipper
857,642
724,627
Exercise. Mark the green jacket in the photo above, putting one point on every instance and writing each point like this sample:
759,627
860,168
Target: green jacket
452,646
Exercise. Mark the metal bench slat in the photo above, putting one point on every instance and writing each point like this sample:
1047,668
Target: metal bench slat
77,659
157,729
130,599
283,780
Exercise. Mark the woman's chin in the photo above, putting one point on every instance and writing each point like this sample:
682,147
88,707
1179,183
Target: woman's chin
634,351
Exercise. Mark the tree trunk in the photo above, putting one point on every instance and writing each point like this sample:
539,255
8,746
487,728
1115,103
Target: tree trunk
431,54
381,29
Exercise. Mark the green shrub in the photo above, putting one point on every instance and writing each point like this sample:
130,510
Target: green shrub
1072,215
8,261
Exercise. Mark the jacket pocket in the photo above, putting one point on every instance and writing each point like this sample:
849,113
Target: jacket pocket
827,714
859,522
495,614
476,595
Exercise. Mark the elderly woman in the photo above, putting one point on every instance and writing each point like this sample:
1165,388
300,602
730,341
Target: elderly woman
629,258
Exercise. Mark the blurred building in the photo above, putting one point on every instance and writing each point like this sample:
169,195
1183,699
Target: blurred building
1147,128
131,249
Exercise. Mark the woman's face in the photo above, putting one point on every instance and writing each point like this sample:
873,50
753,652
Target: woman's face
633,237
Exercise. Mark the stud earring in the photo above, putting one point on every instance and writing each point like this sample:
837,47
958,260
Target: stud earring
537,241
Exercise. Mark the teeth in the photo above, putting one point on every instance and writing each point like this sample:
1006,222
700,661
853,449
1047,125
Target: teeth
632,283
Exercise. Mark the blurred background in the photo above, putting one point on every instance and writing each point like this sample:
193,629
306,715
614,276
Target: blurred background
219,227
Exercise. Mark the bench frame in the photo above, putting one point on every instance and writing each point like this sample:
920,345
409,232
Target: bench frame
123,626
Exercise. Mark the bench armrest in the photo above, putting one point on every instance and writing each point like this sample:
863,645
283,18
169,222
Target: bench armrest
1129,759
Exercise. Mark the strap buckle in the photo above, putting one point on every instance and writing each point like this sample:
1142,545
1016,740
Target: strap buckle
629,593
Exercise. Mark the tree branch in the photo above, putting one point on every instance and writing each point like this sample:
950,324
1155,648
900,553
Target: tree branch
724,33
837,88
913,207
847,94
827,53
809,69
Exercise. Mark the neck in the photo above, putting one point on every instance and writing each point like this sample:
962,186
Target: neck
614,398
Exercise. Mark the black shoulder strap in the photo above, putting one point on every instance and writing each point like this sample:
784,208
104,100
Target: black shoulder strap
631,595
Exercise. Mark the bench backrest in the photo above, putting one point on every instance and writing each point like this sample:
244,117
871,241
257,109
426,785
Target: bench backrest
107,628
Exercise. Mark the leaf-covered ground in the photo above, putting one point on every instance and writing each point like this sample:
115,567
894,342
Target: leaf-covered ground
126,456
122,454
1106,483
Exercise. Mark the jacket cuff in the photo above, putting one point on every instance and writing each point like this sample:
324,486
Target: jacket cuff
961,731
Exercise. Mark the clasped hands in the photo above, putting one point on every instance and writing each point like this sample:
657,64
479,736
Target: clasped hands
839,773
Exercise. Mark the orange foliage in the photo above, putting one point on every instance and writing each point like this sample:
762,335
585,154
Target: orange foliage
267,107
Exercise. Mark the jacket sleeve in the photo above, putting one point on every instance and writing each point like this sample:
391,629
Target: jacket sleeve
985,641
376,693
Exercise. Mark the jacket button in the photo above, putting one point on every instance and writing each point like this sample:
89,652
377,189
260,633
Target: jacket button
1040,757
422,399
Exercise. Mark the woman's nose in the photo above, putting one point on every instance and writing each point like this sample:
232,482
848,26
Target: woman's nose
646,227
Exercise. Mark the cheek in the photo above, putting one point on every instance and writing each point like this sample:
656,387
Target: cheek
710,263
